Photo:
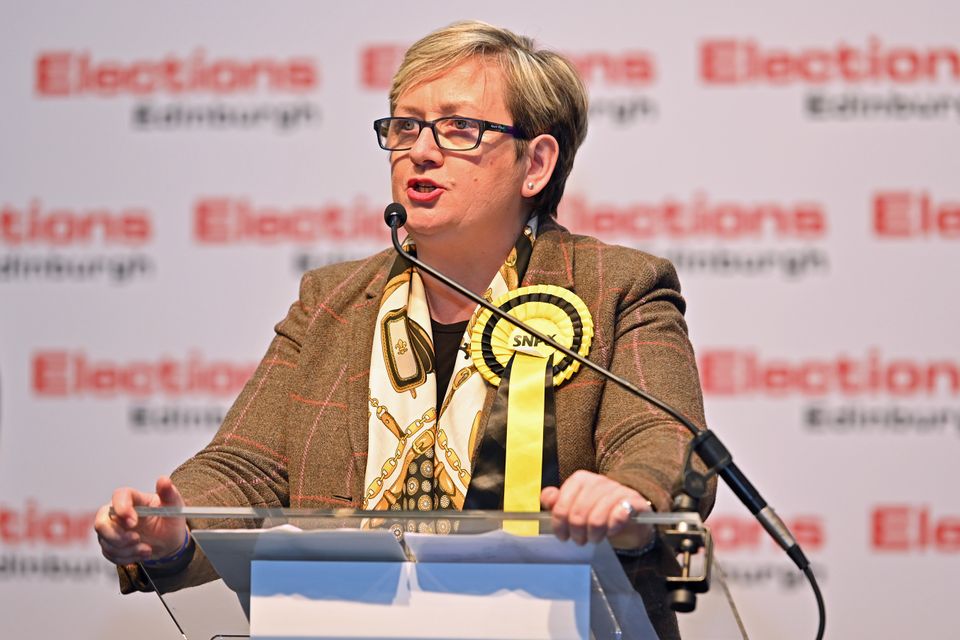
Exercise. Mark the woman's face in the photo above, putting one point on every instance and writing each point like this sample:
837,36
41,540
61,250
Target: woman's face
455,195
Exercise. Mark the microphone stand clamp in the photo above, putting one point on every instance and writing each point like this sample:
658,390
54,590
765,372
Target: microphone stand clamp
685,540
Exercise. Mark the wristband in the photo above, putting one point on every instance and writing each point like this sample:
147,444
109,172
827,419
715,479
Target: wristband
171,558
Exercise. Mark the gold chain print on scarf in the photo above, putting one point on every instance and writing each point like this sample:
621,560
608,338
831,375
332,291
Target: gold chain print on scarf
420,446
420,429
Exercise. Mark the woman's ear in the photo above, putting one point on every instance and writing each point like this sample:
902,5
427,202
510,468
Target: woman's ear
542,153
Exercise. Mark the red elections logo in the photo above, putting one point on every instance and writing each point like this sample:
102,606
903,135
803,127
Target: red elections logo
63,373
904,214
734,372
699,217
744,61
236,220
701,235
35,526
632,68
41,240
912,528
61,226
79,73
51,544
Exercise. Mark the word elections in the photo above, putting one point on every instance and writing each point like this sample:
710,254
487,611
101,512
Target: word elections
49,544
631,68
33,229
36,224
236,220
731,372
731,61
65,373
698,217
76,73
34,525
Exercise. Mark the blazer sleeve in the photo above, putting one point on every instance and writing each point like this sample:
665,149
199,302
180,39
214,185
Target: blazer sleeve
246,463
637,444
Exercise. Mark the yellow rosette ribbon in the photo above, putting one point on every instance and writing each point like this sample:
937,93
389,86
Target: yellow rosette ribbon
527,370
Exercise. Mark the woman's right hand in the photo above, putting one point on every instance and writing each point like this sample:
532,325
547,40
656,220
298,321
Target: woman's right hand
126,538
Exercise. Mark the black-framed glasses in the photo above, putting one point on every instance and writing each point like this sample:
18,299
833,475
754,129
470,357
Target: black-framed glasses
452,133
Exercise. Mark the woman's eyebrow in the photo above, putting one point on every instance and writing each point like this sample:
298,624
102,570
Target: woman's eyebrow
446,108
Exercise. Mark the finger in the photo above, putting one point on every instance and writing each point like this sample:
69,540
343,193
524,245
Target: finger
128,555
114,535
126,559
594,488
566,494
569,516
124,501
596,504
168,493
109,529
122,548
104,525
548,497
605,510
620,516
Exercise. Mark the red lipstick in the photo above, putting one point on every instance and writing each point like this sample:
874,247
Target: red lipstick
423,190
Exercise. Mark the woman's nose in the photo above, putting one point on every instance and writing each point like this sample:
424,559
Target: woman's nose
425,149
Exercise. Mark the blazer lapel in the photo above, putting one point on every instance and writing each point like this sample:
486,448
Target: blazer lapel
363,320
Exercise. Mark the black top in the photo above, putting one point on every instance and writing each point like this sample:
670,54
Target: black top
447,339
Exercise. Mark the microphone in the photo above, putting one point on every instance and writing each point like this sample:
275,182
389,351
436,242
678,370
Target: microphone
705,442
395,215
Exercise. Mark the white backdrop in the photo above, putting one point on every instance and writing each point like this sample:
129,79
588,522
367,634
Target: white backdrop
168,171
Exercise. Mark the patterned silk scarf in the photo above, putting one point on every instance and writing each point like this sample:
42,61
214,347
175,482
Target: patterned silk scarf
420,452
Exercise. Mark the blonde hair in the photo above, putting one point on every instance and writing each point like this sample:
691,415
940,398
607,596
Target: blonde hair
544,91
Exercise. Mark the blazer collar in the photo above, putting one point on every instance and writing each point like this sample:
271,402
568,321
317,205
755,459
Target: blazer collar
552,261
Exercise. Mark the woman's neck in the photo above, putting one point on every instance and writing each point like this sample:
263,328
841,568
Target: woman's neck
474,267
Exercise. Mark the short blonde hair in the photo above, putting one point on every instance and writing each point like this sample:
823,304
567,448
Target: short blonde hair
544,91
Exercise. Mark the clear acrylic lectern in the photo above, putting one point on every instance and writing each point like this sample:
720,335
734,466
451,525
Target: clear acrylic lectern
303,573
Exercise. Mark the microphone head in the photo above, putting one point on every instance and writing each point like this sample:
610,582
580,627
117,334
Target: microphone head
395,215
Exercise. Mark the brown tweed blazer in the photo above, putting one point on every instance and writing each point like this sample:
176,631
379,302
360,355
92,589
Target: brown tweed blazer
297,434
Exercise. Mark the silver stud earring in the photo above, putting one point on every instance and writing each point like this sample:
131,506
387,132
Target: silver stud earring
529,185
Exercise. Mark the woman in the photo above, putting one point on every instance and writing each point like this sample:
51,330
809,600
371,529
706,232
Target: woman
364,399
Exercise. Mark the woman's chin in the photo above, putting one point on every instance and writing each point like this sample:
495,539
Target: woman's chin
427,228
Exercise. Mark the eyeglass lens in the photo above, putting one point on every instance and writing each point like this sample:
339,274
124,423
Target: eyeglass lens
451,133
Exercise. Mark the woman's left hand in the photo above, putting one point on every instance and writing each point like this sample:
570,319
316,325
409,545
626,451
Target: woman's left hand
589,507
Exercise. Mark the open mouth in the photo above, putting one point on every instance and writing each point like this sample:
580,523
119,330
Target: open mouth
422,185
